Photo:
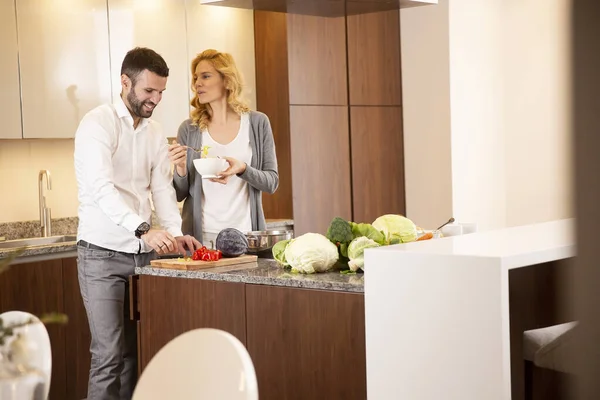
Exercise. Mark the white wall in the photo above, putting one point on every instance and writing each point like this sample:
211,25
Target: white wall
476,100
426,108
537,111
508,100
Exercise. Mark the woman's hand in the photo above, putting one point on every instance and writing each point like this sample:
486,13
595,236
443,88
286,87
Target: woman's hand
178,156
235,167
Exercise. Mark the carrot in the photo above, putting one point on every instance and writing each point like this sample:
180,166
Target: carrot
426,236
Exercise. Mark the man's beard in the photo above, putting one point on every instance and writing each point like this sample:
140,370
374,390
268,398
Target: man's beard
137,106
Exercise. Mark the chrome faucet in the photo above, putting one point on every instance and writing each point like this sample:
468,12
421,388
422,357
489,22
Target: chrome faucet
45,216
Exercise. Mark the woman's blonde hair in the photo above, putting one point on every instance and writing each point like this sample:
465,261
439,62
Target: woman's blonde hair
232,79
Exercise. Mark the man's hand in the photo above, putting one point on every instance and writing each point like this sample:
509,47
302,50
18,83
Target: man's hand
187,242
161,241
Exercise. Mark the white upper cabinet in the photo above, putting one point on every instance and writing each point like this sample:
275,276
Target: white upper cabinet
65,65
159,25
10,97
226,29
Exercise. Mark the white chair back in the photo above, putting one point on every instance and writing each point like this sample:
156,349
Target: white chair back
34,346
199,364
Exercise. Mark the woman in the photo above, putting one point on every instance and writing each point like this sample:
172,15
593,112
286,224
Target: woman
222,121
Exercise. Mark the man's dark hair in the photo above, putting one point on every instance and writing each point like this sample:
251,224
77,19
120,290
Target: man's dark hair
141,58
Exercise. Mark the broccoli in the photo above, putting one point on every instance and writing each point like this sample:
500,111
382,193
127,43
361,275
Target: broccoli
340,232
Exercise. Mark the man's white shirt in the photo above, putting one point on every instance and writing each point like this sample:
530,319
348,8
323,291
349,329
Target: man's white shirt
118,168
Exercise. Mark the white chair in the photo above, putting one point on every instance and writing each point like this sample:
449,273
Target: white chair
34,346
199,364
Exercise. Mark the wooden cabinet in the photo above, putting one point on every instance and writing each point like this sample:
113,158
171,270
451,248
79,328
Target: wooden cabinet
64,61
10,95
305,344
52,286
320,167
342,82
134,23
36,288
169,307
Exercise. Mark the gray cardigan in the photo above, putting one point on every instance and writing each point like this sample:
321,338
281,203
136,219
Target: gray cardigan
261,174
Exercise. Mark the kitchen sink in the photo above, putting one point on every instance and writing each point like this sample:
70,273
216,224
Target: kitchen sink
38,241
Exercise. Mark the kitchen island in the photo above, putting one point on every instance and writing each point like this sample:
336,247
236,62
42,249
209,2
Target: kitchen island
305,333
450,324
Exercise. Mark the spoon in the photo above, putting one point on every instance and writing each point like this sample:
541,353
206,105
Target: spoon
451,220
188,147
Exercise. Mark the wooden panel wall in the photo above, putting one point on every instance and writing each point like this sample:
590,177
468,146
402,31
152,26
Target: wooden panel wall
317,60
272,98
320,166
374,59
345,114
377,162
319,125
377,141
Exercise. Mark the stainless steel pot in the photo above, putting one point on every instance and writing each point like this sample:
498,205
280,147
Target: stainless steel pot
259,241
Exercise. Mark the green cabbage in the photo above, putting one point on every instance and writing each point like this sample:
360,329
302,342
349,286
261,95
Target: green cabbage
367,230
279,252
356,252
311,253
396,228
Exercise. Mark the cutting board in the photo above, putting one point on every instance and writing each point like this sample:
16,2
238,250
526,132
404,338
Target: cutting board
174,263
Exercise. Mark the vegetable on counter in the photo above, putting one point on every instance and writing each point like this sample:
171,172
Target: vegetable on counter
396,228
340,234
205,254
279,252
367,230
356,252
310,253
426,236
231,242
344,244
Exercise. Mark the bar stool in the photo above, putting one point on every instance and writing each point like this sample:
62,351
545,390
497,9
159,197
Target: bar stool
548,352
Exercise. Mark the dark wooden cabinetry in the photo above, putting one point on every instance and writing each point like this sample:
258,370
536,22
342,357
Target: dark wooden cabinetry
305,344
52,286
338,114
169,307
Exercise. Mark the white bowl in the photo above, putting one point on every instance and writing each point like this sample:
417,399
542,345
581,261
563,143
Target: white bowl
210,167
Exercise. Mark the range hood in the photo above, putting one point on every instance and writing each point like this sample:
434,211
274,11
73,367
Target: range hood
323,8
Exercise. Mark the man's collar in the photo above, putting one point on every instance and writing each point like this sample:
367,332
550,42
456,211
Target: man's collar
123,112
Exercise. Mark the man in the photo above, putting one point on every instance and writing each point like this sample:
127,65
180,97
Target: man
121,158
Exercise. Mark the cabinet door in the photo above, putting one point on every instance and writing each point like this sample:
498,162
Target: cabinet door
10,96
169,307
159,25
226,29
37,288
306,344
64,59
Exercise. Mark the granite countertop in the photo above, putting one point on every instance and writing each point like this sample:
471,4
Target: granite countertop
64,247
28,229
267,272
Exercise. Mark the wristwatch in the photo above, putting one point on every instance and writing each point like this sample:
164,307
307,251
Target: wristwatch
142,230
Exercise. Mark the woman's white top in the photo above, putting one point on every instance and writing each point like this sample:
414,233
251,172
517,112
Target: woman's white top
227,206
